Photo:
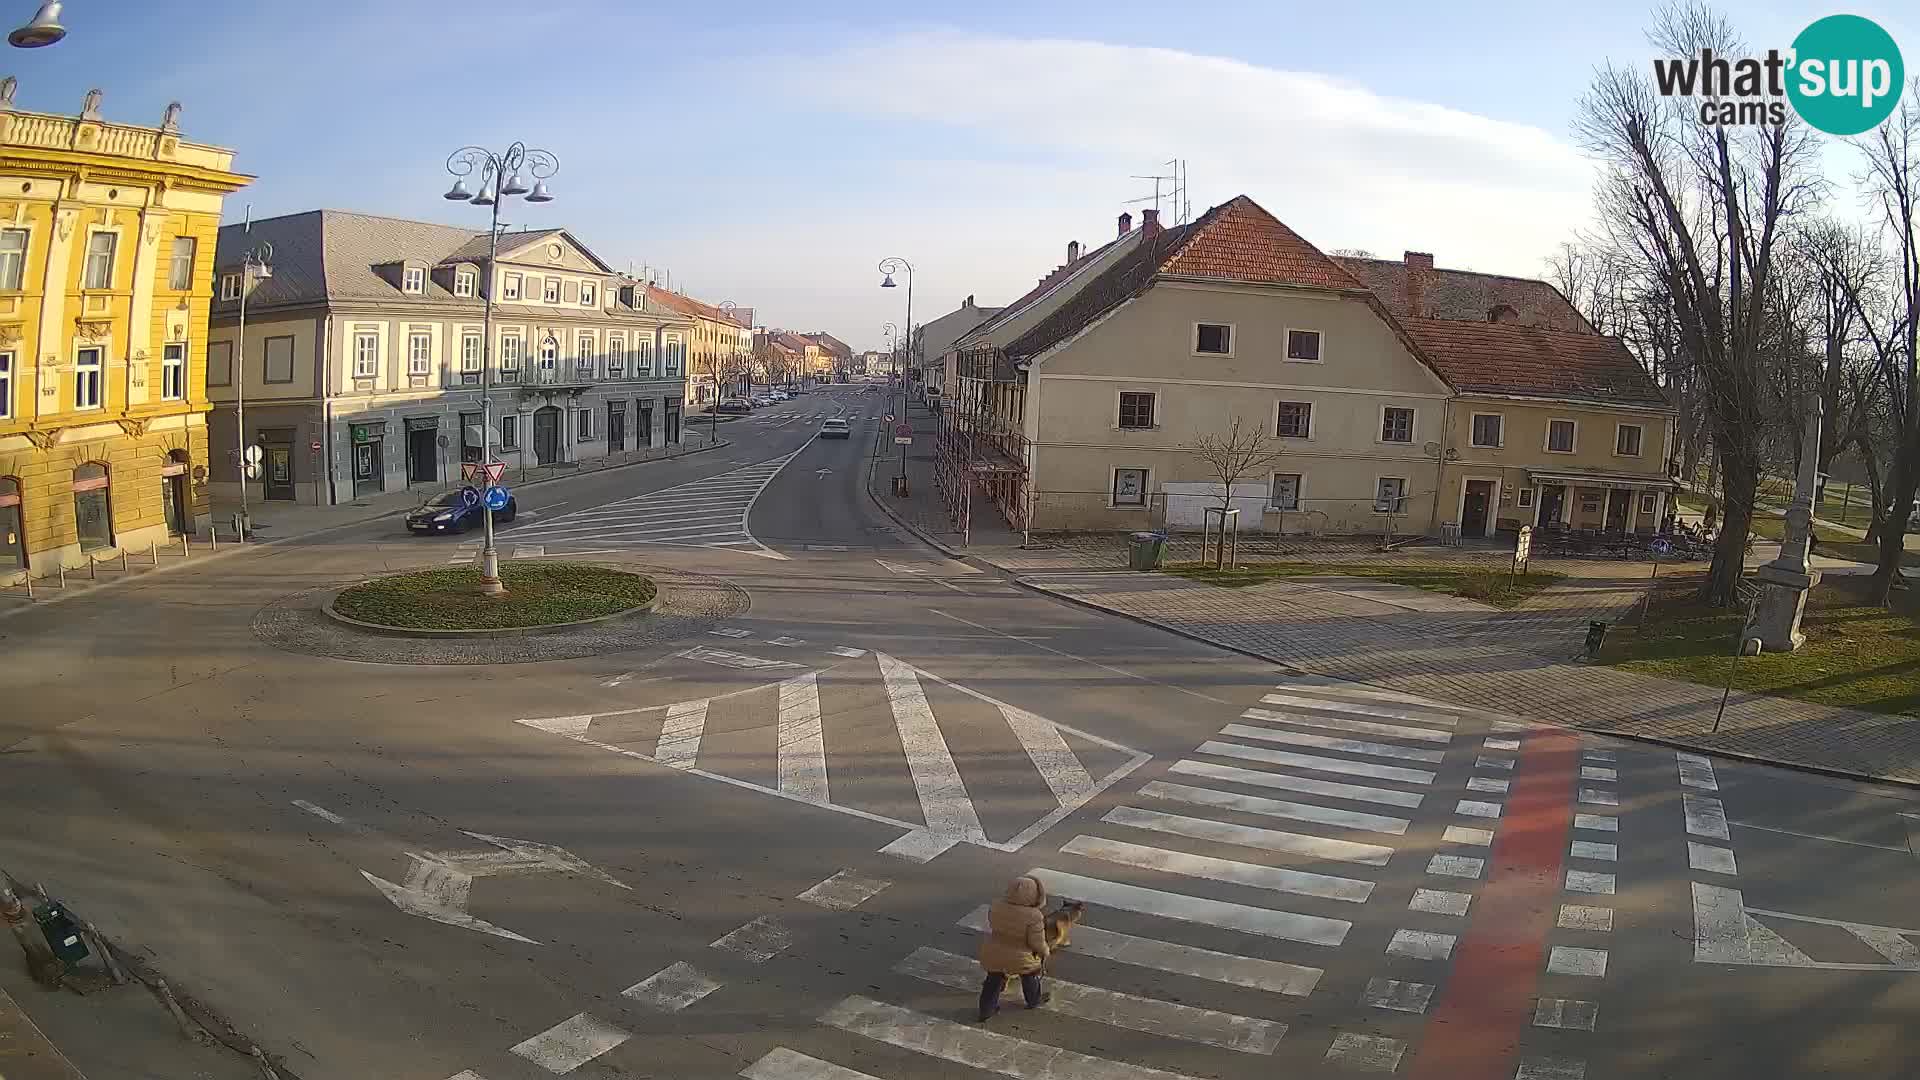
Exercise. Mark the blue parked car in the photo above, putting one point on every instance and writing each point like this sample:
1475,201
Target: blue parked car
454,511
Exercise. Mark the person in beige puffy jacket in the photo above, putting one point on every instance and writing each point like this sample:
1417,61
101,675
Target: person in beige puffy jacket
1015,945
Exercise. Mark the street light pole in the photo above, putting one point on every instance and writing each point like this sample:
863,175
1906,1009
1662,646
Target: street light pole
888,268
499,180
257,263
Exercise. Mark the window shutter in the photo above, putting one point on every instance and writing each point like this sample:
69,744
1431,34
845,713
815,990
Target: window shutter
570,292
535,287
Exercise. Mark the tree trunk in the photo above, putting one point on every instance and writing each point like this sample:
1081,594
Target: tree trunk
1876,497
1893,529
1741,476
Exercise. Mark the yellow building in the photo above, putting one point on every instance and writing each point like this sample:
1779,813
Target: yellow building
106,263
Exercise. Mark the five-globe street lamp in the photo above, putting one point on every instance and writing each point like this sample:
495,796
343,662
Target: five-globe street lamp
501,176
41,30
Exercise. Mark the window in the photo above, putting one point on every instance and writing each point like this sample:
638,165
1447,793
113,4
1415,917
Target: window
1136,410
643,358
510,287
1396,424
510,431
1303,345
1286,492
173,373
1390,495
588,361
588,294
1560,436
413,279
676,354
229,286
1626,440
1213,338
470,359
100,249
6,385
1525,497
550,292
586,423
279,362
1647,503
1129,487
92,506
1296,420
366,355
509,359
1488,430
419,353
463,283
86,376
616,358
549,354
13,257
219,363
180,265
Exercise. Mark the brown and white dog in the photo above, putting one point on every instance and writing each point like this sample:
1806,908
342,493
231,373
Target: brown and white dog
1059,928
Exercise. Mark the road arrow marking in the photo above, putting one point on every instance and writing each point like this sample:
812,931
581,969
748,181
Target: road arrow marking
438,883
823,473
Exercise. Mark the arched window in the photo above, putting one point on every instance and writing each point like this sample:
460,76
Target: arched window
92,506
13,526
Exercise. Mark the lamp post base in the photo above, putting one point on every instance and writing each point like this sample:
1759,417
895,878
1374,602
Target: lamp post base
490,583
1783,600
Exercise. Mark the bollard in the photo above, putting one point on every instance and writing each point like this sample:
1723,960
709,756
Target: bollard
186,546
93,568
106,954
187,1027
213,538
123,560
29,580
154,551
63,573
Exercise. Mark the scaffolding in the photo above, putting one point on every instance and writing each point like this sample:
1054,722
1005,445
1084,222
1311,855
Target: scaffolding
981,448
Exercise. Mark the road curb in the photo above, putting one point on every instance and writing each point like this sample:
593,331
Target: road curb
386,630
873,462
1612,733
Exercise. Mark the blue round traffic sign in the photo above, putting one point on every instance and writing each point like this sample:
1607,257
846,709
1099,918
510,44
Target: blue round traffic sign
496,498
470,496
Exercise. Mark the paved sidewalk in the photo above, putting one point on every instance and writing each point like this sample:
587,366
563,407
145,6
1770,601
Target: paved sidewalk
1347,637
26,1053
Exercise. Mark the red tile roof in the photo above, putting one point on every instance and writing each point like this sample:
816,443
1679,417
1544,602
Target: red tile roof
1527,361
687,305
1463,294
1239,241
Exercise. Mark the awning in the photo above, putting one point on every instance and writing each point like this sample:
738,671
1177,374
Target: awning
1606,480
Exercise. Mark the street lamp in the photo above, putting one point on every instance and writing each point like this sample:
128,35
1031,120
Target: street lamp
255,265
888,268
43,29
726,308
500,178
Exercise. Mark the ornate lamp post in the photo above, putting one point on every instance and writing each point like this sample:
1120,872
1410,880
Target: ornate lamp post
500,176
255,265
888,268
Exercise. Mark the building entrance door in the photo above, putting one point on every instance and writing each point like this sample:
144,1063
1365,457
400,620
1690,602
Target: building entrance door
423,455
616,425
546,435
1477,508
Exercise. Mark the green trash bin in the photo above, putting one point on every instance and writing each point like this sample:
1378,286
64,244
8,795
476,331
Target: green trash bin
1146,551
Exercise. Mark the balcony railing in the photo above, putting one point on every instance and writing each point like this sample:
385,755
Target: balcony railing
564,372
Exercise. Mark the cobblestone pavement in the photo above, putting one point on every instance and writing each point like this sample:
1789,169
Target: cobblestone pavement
1350,638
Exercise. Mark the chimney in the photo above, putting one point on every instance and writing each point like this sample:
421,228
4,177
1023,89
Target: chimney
1073,252
1149,223
969,300
1126,224
1419,275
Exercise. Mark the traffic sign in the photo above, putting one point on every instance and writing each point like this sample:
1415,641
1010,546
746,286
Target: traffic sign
314,446
469,470
253,455
903,440
496,470
1661,546
1522,548
470,496
497,498
889,418
252,470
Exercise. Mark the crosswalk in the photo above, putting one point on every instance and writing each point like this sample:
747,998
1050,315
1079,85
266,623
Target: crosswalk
708,513
871,736
1153,869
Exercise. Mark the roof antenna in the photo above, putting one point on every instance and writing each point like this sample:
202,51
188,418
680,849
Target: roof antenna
1171,186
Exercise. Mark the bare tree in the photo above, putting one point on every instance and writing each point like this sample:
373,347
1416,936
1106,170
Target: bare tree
1892,155
1703,208
1243,450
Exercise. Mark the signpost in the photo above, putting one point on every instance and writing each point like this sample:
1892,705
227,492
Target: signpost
1522,551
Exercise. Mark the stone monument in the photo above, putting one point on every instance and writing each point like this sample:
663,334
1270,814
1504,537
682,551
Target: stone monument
1785,582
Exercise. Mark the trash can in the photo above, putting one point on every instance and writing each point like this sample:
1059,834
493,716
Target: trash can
1146,551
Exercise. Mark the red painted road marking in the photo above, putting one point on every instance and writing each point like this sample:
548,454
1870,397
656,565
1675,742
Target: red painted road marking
1474,1032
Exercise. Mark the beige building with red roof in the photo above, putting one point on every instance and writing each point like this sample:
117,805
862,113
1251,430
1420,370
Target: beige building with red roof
1400,396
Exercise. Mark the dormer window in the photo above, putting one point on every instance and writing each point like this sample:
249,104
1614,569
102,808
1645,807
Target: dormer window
413,279
229,286
588,294
551,294
463,281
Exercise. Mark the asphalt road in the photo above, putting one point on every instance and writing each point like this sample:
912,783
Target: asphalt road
760,849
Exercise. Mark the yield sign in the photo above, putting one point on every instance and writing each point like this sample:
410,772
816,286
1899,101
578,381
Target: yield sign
469,470
496,470
438,882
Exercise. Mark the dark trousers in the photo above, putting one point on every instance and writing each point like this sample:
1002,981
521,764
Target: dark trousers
996,982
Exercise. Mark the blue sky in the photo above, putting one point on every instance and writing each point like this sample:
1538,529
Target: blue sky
771,154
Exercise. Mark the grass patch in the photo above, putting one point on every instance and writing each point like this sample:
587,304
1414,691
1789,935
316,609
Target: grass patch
538,594
1857,656
1485,584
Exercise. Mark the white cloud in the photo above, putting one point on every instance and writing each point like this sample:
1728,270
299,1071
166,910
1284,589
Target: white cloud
1343,165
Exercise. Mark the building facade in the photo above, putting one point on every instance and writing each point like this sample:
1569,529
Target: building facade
1096,390
365,355
106,259
721,351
